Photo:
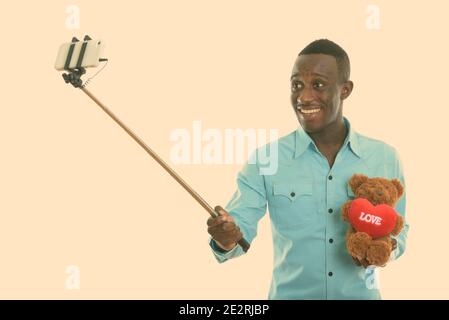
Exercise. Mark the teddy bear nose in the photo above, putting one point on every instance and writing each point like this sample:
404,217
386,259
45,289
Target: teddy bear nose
379,192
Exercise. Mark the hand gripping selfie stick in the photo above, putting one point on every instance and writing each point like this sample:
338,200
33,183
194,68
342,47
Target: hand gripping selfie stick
74,77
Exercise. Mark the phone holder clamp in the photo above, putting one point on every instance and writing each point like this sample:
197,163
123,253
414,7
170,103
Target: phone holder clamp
74,74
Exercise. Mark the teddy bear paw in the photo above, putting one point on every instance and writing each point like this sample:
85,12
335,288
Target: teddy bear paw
378,253
357,244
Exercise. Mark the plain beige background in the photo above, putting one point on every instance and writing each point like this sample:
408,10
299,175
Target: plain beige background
77,190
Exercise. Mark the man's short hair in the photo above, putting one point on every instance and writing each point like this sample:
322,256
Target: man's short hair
328,47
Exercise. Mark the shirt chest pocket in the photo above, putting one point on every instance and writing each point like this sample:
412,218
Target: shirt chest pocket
292,203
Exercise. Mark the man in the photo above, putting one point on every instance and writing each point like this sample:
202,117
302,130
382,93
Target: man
306,193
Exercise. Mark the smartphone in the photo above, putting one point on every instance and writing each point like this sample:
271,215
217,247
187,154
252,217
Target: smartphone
91,58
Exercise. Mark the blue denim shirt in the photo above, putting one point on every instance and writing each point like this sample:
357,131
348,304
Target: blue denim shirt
304,198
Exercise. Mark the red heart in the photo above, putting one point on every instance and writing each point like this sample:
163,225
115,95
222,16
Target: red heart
377,221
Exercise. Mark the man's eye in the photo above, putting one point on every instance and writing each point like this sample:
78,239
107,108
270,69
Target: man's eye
318,85
296,85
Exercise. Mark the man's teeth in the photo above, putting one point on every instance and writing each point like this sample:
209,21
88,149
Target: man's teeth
310,111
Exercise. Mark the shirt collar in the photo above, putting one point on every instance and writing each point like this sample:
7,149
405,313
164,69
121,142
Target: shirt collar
303,140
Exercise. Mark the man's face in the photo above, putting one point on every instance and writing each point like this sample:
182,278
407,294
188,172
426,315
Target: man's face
317,91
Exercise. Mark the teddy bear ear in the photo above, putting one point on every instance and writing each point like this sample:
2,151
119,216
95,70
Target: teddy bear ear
356,181
398,186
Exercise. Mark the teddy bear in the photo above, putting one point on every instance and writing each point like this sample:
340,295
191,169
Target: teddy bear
372,219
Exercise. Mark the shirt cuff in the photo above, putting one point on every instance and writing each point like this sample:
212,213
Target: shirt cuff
394,254
221,255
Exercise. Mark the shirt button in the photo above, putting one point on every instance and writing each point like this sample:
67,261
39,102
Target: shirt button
331,240
330,210
292,194
330,177
330,274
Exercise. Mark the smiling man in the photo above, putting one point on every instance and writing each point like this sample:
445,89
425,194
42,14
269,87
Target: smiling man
306,193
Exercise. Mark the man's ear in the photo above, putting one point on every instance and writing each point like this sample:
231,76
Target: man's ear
398,187
356,181
346,89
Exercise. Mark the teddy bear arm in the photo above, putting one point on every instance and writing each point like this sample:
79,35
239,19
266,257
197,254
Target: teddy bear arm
399,225
345,210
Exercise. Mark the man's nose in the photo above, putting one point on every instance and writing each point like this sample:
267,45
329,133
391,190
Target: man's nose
306,96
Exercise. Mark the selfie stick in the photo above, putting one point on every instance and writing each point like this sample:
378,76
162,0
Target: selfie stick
74,78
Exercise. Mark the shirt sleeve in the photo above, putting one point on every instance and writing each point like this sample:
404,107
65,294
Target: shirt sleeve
400,209
247,206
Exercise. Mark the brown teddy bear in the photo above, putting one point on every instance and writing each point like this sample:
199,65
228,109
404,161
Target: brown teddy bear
373,219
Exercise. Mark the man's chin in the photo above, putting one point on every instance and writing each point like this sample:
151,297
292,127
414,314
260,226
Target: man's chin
311,127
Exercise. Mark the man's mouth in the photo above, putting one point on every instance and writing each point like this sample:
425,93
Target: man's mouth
309,110
309,113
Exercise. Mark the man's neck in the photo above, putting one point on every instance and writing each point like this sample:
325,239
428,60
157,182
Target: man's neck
332,136
330,140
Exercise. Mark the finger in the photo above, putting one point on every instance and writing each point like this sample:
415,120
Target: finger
394,244
220,210
365,263
218,231
211,222
228,226
238,234
223,213
229,238
221,229
214,231
223,226
357,262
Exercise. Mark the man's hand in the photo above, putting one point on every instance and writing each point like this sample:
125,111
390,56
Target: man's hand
364,263
224,230
394,244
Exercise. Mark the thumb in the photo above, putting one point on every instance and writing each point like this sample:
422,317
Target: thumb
220,211
224,214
